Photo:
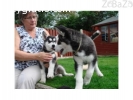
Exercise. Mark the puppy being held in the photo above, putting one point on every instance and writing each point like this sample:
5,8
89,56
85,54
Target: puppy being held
52,69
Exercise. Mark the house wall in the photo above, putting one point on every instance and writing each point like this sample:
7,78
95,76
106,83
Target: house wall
103,47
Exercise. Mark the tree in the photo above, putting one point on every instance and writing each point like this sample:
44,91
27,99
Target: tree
85,19
48,19
72,19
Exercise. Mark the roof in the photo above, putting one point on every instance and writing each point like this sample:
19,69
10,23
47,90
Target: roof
111,19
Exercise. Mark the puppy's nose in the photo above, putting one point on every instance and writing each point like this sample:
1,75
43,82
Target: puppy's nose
53,46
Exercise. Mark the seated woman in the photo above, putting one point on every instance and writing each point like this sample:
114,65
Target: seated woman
28,46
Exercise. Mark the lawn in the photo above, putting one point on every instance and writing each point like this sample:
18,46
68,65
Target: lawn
107,64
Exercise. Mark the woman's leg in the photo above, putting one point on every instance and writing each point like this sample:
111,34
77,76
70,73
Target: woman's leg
29,77
17,73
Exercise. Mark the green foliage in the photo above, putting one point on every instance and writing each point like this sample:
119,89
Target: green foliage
46,19
86,19
17,21
72,19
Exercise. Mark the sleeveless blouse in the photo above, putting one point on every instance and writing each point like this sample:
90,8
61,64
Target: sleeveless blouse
29,45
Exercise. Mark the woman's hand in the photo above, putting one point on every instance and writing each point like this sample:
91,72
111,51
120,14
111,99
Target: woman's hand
44,57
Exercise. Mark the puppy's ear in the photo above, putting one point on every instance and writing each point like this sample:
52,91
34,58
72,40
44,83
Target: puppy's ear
44,35
61,30
56,37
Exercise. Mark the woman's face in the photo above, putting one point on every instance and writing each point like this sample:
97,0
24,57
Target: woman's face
30,21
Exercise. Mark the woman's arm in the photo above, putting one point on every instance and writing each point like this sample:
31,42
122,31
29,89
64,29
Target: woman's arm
24,56
46,32
21,55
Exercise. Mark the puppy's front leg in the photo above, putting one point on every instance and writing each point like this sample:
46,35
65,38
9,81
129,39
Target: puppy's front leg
43,74
78,77
51,69
79,72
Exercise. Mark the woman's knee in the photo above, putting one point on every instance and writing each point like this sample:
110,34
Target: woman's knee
30,75
26,83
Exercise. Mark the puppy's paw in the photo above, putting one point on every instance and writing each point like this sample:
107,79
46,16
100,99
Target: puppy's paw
69,74
50,75
100,74
43,80
60,75
79,86
86,82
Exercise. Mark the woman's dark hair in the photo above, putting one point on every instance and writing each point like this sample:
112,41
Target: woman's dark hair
22,15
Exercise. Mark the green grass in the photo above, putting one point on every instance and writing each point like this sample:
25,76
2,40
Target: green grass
107,64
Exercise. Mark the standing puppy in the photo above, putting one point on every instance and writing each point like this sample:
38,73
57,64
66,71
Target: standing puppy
84,52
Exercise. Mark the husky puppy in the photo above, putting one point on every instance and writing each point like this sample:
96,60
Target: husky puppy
84,52
54,69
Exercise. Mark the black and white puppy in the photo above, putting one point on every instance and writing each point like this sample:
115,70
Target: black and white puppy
84,52
54,69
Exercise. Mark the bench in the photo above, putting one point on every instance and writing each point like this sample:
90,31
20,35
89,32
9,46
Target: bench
42,86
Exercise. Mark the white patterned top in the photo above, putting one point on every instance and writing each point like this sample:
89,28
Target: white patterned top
29,45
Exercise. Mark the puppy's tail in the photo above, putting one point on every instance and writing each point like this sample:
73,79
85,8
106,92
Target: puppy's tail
95,35
81,31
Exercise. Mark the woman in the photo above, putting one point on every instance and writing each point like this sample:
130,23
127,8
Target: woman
28,46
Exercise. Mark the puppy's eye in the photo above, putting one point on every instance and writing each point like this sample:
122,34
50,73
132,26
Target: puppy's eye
54,40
